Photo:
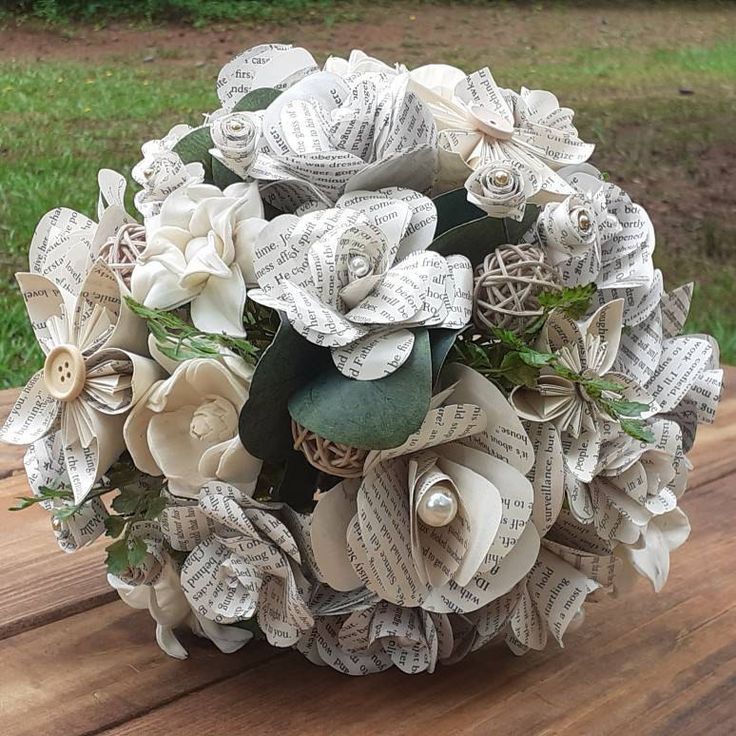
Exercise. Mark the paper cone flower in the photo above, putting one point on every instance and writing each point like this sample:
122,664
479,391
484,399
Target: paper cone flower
356,278
480,123
89,381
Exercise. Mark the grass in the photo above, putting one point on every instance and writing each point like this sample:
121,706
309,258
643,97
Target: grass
62,121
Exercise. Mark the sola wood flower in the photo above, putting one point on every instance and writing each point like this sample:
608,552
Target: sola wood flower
588,350
91,377
197,252
599,235
633,483
186,427
442,521
378,638
357,277
482,125
162,171
328,135
250,566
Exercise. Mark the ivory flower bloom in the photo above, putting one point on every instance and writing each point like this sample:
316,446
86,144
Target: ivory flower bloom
198,251
479,123
186,428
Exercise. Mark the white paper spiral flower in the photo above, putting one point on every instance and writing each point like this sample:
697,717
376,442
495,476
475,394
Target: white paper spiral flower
236,137
502,188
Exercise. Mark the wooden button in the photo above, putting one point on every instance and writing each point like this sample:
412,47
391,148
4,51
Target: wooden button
64,372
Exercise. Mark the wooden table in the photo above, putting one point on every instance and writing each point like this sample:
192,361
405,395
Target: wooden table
75,660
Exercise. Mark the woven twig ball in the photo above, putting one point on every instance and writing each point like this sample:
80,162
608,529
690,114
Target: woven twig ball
329,457
121,251
508,284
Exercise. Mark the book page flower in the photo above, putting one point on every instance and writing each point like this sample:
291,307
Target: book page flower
198,252
236,137
480,123
378,638
586,352
442,522
252,564
360,63
502,188
186,428
356,278
94,373
328,135
162,171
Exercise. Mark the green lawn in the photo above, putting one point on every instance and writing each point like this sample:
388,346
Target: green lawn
61,121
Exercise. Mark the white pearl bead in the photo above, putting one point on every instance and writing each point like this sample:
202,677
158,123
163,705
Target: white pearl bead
359,266
438,506
584,221
500,179
236,125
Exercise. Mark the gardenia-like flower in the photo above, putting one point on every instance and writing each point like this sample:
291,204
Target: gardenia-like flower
186,428
236,136
634,482
480,123
502,188
250,566
442,522
162,171
588,349
378,638
199,252
599,235
327,135
357,277
90,379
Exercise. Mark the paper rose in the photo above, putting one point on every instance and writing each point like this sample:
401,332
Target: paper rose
328,135
442,521
252,564
198,252
480,123
356,278
587,352
89,381
358,62
162,171
236,136
378,638
186,428
502,188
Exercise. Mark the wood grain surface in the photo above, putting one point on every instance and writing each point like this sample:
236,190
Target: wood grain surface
77,661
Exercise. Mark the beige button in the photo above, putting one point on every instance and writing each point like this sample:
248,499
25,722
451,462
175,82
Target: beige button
490,122
64,372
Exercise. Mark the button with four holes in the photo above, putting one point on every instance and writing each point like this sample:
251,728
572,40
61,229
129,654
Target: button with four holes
64,372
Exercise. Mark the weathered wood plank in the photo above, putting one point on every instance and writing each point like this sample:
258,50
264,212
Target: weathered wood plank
99,668
40,583
652,663
11,456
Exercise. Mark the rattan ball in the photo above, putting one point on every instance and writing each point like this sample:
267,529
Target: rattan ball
508,284
121,251
330,457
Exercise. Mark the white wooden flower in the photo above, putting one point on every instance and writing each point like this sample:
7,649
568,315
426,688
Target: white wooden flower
588,349
328,135
199,252
186,428
375,639
162,171
443,521
634,482
94,373
479,123
250,566
356,278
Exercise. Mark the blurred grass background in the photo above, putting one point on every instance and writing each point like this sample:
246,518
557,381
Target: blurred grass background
654,86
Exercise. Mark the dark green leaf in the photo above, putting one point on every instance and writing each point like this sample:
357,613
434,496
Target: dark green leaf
453,209
368,414
518,372
516,229
535,359
114,526
285,366
137,551
299,483
117,557
474,240
574,301
440,344
154,508
126,502
257,99
636,429
627,408
195,147
222,176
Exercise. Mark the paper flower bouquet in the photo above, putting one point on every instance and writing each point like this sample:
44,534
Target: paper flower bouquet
382,372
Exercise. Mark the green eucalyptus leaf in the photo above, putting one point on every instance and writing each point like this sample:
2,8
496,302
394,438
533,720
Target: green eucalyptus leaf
368,414
453,209
195,147
257,99
222,176
299,483
440,344
473,239
286,365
